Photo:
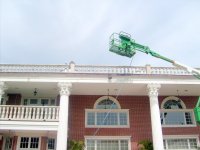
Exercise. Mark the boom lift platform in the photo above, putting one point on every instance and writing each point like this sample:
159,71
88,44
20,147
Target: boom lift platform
122,44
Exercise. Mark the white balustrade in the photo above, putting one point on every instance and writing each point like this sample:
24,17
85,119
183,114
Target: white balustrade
93,69
32,113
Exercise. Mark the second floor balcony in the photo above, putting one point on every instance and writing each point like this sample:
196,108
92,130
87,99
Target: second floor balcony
21,117
29,113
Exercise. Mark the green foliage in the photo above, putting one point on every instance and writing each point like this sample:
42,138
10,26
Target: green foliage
75,145
145,145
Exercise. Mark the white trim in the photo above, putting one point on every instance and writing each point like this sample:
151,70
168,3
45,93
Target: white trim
181,136
28,125
107,137
106,97
108,111
102,79
172,98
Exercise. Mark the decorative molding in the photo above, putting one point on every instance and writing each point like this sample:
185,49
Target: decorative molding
153,89
65,88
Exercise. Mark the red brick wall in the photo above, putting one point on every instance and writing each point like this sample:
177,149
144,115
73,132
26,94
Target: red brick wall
14,146
43,143
139,117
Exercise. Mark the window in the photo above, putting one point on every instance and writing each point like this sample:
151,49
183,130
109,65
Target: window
39,102
51,144
29,143
106,118
107,112
8,143
107,144
180,143
174,113
106,104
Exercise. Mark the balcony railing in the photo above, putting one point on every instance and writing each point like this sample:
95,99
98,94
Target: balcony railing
29,113
93,69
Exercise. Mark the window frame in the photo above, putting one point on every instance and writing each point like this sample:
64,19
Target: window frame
108,111
176,137
118,138
29,142
179,125
47,145
184,110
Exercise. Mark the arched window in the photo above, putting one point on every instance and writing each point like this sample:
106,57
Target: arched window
107,112
107,102
174,112
173,102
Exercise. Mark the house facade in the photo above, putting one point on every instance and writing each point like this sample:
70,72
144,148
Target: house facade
106,107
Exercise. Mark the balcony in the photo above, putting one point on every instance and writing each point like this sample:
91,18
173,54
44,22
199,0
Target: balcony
29,117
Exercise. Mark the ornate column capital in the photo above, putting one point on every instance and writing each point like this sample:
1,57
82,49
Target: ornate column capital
153,89
65,88
3,87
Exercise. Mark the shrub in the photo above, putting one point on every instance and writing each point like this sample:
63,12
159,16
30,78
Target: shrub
75,145
145,145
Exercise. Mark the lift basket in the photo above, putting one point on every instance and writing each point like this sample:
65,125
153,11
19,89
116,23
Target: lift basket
197,111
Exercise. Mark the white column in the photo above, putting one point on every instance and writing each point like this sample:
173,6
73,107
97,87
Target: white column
2,89
63,116
155,116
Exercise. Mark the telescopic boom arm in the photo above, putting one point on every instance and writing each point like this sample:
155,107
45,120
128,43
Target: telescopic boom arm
122,44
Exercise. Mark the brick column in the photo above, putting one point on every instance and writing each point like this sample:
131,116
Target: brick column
63,116
14,144
43,143
155,116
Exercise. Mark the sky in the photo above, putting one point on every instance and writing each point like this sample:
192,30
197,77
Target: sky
60,31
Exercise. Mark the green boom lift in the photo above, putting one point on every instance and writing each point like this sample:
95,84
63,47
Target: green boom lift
122,44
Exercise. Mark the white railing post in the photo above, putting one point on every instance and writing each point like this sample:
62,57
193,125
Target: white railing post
7,112
53,114
23,113
3,112
18,112
38,113
34,113
57,113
